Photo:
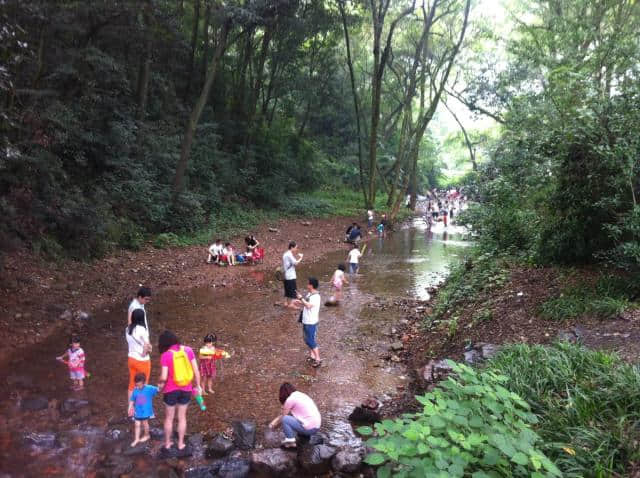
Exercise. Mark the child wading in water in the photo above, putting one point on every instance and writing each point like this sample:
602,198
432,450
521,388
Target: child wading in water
208,355
141,407
337,280
75,362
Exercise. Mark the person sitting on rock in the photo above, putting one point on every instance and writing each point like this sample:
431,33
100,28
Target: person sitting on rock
300,415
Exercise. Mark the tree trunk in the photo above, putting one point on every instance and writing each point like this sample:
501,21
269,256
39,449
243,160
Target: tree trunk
194,44
356,101
144,70
205,37
189,134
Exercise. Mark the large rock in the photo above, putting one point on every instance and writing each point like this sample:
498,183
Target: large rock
275,462
364,415
34,403
472,357
272,438
316,459
72,405
244,434
234,468
139,449
205,471
348,460
219,447
42,440
434,371
489,351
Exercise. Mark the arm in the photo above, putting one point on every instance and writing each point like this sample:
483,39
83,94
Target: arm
196,373
163,377
129,317
61,357
276,421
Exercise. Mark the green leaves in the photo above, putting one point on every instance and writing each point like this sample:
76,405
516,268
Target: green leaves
472,424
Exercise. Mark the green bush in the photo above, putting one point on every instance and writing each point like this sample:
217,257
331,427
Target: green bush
471,425
166,239
587,402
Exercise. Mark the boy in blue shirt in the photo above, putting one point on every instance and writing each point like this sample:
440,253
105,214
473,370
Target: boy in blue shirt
141,407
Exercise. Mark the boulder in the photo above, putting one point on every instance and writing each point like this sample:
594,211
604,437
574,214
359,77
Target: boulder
244,434
42,440
139,449
274,462
489,350
34,403
472,356
72,405
567,336
20,381
316,459
234,468
219,447
156,433
272,438
115,434
205,471
364,415
348,460
396,346
196,440
434,371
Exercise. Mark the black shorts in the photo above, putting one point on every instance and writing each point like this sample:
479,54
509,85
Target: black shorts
177,397
290,288
140,419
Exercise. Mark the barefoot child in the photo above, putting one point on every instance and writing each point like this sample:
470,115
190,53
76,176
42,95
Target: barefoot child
141,407
208,355
337,280
75,362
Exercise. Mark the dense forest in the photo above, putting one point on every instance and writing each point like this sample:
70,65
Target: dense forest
125,119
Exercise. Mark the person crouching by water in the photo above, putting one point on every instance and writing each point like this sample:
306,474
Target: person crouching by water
300,415
179,369
310,316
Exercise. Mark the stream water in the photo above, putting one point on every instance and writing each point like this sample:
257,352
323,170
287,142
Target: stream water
266,346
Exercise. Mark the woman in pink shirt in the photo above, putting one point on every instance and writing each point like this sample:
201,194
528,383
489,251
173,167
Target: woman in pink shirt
175,396
300,415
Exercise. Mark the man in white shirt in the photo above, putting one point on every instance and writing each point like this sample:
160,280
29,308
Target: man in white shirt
215,250
289,263
310,319
353,259
143,297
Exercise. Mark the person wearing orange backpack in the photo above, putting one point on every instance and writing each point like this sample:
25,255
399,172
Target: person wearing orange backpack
179,370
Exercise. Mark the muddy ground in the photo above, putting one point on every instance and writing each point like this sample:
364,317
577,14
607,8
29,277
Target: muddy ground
35,294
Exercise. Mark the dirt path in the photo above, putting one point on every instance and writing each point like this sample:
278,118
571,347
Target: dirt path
39,298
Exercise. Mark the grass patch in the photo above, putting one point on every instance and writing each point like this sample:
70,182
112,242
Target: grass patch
472,277
608,298
587,402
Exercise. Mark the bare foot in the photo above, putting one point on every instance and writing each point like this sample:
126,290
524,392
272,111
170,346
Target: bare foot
204,392
135,442
145,438
211,391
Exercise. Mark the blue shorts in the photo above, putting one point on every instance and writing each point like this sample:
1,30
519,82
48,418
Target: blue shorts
309,335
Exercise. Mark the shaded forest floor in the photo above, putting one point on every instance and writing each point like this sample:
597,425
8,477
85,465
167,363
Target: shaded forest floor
39,297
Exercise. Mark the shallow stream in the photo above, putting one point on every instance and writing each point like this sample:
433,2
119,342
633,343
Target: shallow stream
266,346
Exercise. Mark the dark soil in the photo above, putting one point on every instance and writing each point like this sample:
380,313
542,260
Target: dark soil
34,293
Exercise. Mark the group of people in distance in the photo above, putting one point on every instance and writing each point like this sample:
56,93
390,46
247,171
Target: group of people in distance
227,255
443,206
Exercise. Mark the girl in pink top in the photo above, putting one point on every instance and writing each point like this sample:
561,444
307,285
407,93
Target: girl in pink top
337,280
175,396
300,415
75,361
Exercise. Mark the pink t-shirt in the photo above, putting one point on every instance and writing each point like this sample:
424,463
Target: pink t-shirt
302,407
166,360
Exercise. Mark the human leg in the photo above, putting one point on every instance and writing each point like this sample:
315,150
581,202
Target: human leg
182,425
146,435
169,413
136,433
291,426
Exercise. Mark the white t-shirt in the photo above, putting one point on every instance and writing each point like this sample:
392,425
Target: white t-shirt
370,215
215,249
289,265
135,304
354,255
311,315
139,336
338,278
227,251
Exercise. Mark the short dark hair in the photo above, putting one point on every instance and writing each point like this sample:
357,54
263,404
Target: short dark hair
166,340
75,339
140,377
227,244
341,267
314,282
292,244
210,338
144,292
286,389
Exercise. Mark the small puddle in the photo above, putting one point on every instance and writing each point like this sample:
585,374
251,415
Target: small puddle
266,346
